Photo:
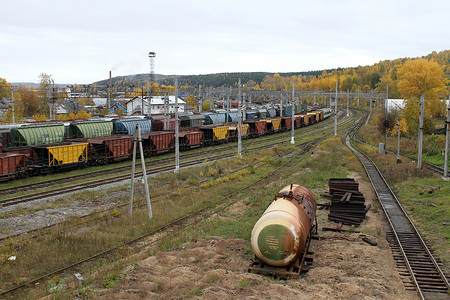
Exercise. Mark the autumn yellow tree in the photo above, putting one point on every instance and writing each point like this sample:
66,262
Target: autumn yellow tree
421,77
5,88
190,100
418,79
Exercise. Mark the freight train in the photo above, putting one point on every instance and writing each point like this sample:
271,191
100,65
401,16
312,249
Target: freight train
280,238
30,149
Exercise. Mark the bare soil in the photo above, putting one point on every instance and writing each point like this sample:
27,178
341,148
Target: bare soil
344,267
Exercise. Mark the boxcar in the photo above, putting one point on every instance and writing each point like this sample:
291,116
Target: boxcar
215,118
286,122
273,125
305,119
128,126
108,149
250,115
214,134
190,139
158,141
298,121
192,120
319,115
312,117
233,131
90,129
287,111
326,112
160,124
12,165
261,113
37,135
232,116
256,128
271,112
57,157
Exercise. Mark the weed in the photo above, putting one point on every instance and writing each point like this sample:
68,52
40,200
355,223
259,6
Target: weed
110,280
197,291
243,283
86,292
115,212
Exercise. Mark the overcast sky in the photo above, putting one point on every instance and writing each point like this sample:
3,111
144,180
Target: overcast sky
81,41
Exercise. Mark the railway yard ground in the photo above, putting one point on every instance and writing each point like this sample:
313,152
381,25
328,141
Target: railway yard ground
208,258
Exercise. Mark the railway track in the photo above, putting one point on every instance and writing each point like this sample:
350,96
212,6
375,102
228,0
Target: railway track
152,164
96,183
190,219
432,167
39,231
409,249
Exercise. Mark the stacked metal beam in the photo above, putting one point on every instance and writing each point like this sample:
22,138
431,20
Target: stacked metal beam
347,203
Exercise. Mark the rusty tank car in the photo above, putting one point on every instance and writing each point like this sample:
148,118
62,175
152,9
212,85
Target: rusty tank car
280,238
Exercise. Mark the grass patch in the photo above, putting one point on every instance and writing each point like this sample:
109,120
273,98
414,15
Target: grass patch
66,243
427,201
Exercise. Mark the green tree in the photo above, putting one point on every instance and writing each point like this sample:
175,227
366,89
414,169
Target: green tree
374,78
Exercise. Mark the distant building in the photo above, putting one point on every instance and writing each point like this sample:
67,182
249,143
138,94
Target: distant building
119,105
395,104
134,106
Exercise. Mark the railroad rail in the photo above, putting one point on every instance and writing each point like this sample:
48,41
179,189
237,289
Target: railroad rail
118,178
430,166
423,268
48,183
190,219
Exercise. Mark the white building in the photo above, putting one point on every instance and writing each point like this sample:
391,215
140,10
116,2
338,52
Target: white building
134,106
395,104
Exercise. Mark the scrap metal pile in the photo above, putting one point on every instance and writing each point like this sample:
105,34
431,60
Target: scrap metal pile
347,203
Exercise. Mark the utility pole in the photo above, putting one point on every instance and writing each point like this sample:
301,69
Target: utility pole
330,97
143,113
109,95
138,139
244,106
281,105
422,111
358,97
239,120
292,114
398,144
152,56
348,99
385,118
200,98
228,105
13,109
177,135
447,142
335,110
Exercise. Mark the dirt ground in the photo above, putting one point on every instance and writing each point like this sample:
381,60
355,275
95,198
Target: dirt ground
344,267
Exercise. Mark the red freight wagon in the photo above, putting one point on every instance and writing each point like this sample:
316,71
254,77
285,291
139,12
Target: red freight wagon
159,124
298,121
257,128
286,122
190,139
12,165
158,141
110,148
